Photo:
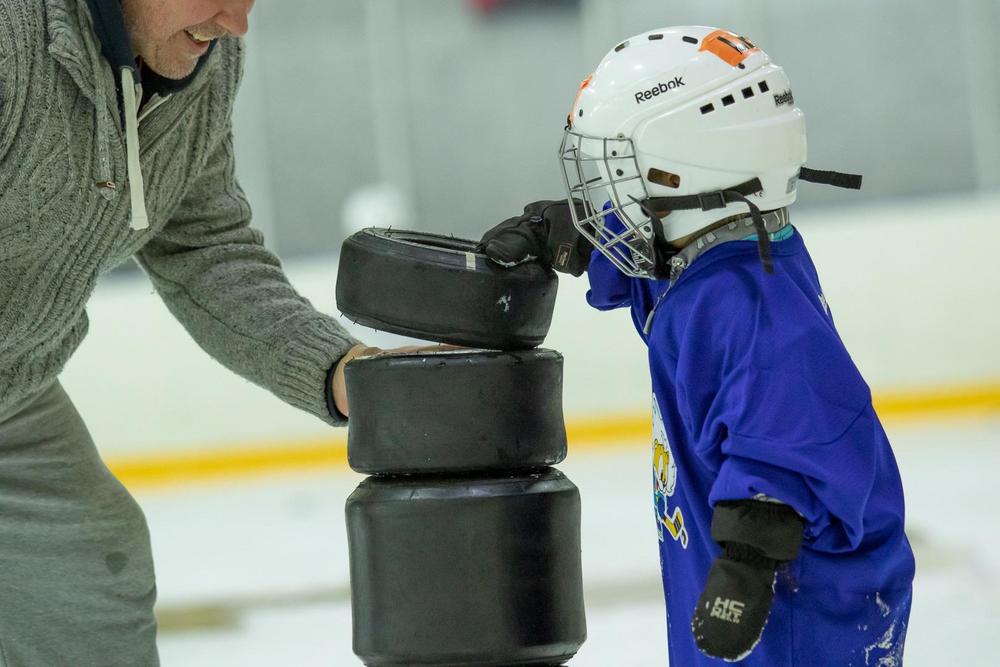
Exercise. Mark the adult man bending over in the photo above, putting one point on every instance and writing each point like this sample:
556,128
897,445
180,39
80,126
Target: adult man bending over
115,140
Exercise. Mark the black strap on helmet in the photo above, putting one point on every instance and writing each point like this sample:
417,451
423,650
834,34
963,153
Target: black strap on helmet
708,201
834,178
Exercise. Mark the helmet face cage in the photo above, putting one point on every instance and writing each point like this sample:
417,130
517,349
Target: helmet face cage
600,169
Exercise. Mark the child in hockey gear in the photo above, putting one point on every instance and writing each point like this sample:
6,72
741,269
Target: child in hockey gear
777,498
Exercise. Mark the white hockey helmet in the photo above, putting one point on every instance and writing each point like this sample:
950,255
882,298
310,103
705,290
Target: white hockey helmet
696,121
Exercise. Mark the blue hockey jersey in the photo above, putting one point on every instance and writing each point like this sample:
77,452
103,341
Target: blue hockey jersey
754,394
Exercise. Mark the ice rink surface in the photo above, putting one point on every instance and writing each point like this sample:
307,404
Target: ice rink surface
254,573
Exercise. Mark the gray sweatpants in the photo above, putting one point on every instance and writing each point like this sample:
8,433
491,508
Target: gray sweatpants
76,570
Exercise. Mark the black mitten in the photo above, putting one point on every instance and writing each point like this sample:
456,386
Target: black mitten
545,232
756,538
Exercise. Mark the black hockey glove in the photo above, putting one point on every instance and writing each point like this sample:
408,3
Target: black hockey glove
757,537
545,232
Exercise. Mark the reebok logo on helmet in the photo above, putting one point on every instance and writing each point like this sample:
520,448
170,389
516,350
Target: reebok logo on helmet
784,98
659,89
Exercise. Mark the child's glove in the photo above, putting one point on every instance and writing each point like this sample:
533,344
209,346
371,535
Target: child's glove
756,537
544,232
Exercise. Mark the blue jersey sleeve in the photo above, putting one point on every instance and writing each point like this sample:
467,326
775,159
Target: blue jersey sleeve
609,287
788,415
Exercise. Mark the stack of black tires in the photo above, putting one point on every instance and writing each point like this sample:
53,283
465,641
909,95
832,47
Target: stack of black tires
464,542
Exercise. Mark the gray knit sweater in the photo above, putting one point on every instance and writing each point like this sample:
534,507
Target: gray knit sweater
65,214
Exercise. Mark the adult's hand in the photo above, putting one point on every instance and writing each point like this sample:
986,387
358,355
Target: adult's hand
365,351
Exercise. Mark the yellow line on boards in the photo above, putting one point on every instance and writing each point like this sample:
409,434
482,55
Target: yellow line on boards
606,432
229,462
609,430
941,402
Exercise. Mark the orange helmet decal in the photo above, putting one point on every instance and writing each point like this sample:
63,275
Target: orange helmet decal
576,101
731,48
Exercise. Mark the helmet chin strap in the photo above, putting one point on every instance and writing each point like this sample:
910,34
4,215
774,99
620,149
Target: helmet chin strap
708,201
662,252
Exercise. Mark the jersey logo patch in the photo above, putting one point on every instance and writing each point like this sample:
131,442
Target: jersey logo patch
668,521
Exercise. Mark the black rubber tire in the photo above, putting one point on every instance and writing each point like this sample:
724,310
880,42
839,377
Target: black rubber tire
474,572
437,288
459,411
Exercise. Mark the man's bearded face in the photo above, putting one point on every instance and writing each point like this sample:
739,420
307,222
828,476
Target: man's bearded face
171,35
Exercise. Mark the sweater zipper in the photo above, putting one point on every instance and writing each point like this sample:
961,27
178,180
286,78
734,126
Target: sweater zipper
155,102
